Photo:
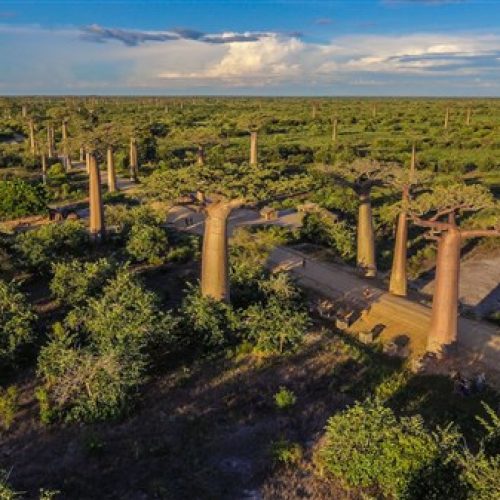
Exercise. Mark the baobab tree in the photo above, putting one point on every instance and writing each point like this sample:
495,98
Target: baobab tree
404,181
362,176
215,258
253,148
439,211
97,228
133,160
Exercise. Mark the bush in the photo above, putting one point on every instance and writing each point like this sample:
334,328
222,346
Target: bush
8,406
368,446
41,247
147,243
16,322
6,492
94,365
75,282
338,236
284,398
19,198
210,325
282,451
481,474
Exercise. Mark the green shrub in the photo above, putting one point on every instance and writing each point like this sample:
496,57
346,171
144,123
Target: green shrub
93,366
41,247
368,446
285,452
147,243
19,198
8,406
16,322
284,398
482,475
275,327
74,282
336,235
209,325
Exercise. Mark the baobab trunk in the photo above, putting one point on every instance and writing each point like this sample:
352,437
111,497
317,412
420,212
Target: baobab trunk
111,171
32,137
446,118
215,262
366,237
50,144
24,111
334,130
82,155
64,136
253,148
398,282
95,201
200,156
44,169
134,162
444,318
467,120
314,111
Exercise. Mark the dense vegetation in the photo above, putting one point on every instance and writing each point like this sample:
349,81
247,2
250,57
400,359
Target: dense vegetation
115,348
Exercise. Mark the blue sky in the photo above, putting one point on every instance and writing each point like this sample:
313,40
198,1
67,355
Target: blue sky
251,47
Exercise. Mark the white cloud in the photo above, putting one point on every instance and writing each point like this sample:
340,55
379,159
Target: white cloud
48,57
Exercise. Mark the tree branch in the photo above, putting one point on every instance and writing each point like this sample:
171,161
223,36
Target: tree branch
479,233
441,226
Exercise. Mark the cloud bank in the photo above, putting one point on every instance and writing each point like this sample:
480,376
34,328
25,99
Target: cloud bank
114,60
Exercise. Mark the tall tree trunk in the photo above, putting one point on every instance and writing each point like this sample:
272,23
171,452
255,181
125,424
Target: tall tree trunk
215,261
44,169
253,148
398,282
200,156
111,171
446,118
467,119
50,144
97,229
134,160
334,130
366,237
443,327
32,137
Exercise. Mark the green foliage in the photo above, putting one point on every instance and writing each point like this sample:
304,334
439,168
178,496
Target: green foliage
482,475
19,198
16,322
147,243
9,402
285,452
210,325
368,446
337,235
92,367
41,247
74,282
284,398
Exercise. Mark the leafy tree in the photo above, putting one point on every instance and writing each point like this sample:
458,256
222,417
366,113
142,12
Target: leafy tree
19,198
147,243
41,247
75,282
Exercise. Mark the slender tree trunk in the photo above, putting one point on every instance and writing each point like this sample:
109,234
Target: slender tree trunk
398,282
366,237
444,319
446,118
215,261
64,137
334,130
44,169
82,155
50,148
111,171
87,162
200,156
134,161
253,148
32,137
467,119
97,229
